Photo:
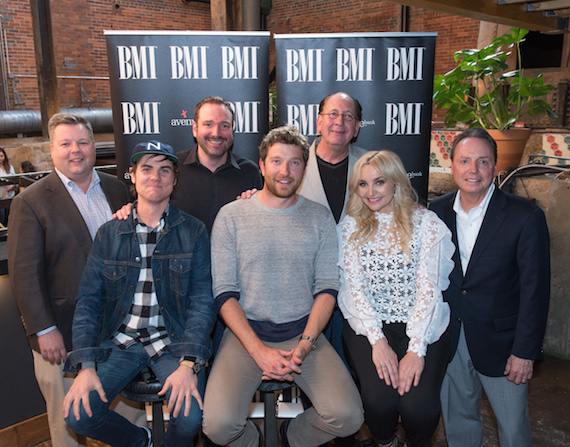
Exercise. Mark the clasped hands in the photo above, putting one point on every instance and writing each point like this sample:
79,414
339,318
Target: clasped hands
277,364
399,375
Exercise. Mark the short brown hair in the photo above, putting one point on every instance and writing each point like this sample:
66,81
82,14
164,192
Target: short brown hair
73,119
286,135
212,100
475,132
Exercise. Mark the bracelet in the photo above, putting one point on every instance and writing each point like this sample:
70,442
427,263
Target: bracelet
311,340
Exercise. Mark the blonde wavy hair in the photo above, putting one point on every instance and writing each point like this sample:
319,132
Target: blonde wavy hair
405,200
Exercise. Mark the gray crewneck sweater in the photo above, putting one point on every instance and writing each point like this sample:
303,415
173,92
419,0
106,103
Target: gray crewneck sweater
274,261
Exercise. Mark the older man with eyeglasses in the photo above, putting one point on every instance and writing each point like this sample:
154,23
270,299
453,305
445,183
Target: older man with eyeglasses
332,155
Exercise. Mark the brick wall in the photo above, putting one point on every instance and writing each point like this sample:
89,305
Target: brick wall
80,49
80,45
321,16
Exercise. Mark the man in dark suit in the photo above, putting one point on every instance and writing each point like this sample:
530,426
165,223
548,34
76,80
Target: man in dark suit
499,295
51,228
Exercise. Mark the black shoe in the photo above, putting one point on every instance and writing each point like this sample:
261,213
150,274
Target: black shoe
283,432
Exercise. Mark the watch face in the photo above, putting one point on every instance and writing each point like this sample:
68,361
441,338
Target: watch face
197,367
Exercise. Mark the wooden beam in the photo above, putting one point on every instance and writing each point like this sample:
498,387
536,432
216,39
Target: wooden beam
548,5
26,433
490,11
219,15
45,61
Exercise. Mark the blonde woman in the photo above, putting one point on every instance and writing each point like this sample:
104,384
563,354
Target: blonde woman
395,260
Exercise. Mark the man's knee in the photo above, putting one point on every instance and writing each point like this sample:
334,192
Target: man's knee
222,428
345,420
85,425
188,427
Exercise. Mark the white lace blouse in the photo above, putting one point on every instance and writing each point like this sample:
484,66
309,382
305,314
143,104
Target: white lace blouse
379,287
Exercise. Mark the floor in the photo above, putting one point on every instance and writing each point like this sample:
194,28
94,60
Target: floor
549,406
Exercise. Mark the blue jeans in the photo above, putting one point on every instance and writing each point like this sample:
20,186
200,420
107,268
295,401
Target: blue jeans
110,427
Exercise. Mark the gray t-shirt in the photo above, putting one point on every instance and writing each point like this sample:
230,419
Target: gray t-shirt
274,261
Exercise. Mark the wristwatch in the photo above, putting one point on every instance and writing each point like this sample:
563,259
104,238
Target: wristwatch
310,339
190,362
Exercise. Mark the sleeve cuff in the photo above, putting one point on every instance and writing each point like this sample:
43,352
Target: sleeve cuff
223,297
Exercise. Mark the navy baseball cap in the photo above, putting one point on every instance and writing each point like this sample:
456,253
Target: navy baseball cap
153,147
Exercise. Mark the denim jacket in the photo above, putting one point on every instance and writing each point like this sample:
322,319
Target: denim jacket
182,279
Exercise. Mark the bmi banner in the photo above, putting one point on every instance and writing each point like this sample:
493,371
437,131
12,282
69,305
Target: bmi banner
391,75
158,77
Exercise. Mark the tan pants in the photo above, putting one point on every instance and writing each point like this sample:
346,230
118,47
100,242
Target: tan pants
54,384
336,411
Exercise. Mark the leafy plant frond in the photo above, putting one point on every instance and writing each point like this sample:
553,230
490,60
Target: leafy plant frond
481,92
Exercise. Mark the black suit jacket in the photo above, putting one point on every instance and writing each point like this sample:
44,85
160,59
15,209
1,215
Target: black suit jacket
502,300
48,244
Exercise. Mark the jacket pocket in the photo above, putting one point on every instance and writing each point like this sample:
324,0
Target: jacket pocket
506,323
180,269
115,277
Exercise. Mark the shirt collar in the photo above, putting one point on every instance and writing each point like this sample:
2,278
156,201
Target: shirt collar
481,208
161,223
192,158
95,180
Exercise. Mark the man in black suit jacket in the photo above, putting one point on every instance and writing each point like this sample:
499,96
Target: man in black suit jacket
51,228
499,295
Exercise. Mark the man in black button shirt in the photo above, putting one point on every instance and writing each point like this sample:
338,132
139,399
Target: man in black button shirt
211,175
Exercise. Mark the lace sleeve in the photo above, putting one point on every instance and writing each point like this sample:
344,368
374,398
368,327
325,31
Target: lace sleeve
430,315
354,291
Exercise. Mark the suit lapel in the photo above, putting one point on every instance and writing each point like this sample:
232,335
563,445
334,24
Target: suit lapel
312,186
491,223
115,196
62,201
450,219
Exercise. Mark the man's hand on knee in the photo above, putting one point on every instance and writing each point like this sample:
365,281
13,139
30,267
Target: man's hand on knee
184,384
86,381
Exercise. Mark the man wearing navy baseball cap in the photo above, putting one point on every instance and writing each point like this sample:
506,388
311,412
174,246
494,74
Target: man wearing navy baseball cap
145,300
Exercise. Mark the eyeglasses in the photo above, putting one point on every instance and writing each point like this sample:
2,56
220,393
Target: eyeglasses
346,116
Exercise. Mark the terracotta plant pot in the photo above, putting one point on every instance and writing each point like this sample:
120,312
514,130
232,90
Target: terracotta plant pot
510,146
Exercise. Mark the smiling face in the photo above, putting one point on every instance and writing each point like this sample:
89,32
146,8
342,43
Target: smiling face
375,191
283,170
154,178
213,130
73,152
337,133
473,168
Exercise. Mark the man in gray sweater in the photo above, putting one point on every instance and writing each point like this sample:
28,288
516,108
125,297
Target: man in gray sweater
275,284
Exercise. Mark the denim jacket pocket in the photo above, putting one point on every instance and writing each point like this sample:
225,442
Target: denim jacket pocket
115,277
180,268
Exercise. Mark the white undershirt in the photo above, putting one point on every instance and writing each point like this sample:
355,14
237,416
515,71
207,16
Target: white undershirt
469,224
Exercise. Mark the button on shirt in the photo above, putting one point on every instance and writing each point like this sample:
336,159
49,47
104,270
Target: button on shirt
469,224
92,205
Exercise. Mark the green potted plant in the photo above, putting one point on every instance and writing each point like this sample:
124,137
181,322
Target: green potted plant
482,91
